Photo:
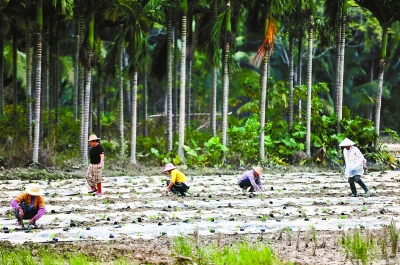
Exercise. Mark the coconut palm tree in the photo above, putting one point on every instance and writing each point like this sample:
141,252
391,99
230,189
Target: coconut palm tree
135,17
309,82
386,12
261,14
66,9
336,12
184,7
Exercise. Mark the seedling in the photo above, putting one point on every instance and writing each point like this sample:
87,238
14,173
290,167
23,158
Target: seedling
138,234
10,216
52,236
323,210
102,216
106,202
264,218
364,208
394,236
358,248
342,217
288,236
153,216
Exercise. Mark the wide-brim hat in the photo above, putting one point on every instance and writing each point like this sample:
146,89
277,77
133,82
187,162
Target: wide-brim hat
93,137
168,167
34,190
258,169
347,142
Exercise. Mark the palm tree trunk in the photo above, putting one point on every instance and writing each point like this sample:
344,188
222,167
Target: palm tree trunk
145,100
39,18
14,79
189,93
88,79
169,85
82,97
57,81
37,97
299,70
134,83
182,97
213,114
381,68
28,63
76,68
225,96
1,77
263,102
309,84
45,85
121,99
291,49
341,71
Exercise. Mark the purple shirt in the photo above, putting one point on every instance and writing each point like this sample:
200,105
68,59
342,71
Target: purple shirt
255,182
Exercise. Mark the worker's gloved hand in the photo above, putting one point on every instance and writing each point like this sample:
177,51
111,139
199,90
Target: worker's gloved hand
32,221
21,212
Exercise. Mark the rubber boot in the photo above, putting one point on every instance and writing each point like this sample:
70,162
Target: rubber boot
99,191
93,189
362,185
353,189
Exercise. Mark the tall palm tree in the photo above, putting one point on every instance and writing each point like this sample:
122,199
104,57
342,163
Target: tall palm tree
261,13
386,12
184,6
66,9
309,82
336,12
136,25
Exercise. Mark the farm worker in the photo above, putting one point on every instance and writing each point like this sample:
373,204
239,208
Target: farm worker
95,169
251,178
355,164
178,179
29,205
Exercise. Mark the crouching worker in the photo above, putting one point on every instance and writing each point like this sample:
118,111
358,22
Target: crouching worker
29,205
177,182
251,179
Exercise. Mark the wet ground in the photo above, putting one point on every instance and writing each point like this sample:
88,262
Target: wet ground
134,212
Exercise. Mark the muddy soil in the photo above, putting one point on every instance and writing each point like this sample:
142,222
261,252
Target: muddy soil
135,218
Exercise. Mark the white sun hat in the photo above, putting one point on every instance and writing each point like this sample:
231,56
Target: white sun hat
93,137
34,190
258,169
347,142
168,167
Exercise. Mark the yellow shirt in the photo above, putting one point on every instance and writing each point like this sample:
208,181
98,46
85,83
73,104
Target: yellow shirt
177,176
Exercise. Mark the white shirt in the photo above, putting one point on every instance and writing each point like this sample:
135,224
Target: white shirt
354,161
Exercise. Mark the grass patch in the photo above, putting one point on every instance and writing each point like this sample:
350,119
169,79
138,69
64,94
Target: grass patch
188,252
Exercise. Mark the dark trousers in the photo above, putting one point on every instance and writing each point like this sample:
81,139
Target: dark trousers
179,187
28,214
244,184
356,179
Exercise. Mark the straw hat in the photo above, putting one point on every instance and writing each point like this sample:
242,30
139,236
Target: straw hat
258,169
34,190
93,137
168,167
347,142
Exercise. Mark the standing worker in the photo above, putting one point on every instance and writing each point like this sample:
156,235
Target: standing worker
355,164
251,178
96,166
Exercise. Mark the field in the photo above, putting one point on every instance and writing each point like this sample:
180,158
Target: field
302,216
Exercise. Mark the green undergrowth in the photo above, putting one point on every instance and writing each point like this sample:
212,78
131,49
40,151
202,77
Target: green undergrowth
187,251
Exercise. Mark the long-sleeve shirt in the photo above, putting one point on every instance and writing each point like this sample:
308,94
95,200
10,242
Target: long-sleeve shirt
354,160
255,182
37,204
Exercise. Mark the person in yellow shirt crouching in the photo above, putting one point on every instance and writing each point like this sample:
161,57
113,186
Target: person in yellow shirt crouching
177,182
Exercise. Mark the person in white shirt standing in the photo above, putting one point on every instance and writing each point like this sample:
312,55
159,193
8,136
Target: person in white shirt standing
355,164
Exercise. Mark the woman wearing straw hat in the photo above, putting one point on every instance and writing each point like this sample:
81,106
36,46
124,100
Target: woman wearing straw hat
95,169
29,205
355,164
178,179
251,178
